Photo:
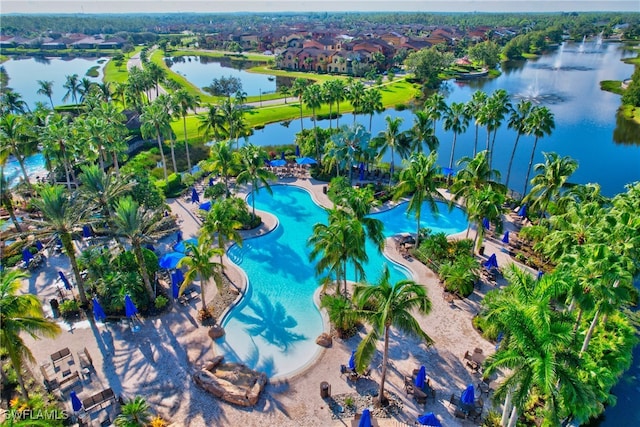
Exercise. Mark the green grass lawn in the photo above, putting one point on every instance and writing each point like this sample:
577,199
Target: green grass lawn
118,74
612,86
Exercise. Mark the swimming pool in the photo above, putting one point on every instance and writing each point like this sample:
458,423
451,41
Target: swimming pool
274,327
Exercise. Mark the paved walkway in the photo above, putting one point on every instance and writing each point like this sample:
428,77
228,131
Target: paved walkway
157,361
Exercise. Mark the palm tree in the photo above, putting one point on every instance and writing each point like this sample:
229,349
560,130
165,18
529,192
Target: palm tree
11,102
6,200
419,179
484,203
500,105
156,122
221,161
167,103
72,85
540,123
348,145
297,89
212,124
254,172
434,106
221,224
550,180
135,413
62,217
372,103
85,88
393,139
338,94
475,175
312,97
156,73
355,94
233,116
358,202
518,117
456,120
46,89
474,108
140,226
198,263
21,313
338,243
382,306
422,132
15,140
115,133
104,90
184,102
57,146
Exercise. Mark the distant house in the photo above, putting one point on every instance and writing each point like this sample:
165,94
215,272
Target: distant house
111,43
7,42
86,43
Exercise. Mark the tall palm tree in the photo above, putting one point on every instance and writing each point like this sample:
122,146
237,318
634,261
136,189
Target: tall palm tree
419,179
393,139
383,305
221,225
6,199
475,175
62,217
355,95
500,105
358,202
540,123
115,133
348,145
199,264
221,160
254,172
167,103
46,89
550,180
134,413
72,85
156,73
85,88
372,103
140,226
456,120
57,146
474,110
234,117
312,97
21,313
484,203
15,140
11,102
518,116
297,89
156,123
422,132
338,94
185,101
336,244
434,107
212,124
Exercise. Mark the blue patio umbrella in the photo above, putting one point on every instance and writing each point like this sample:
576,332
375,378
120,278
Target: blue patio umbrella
422,375
448,171
361,170
98,312
523,210
306,161
365,419
176,280
468,395
491,262
205,206
210,181
182,246
277,163
27,256
505,238
150,247
297,151
64,279
485,223
352,360
39,245
429,419
130,309
86,231
76,404
540,274
282,156
170,260
194,196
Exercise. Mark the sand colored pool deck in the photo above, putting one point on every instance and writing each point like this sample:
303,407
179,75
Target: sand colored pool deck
157,362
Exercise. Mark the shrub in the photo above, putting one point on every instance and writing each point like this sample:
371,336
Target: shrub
161,302
400,107
215,191
69,308
174,185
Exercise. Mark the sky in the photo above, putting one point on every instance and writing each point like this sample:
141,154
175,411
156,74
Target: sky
168,6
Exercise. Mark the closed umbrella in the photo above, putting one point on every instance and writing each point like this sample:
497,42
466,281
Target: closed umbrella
523,210
39,245
178,236
98,312
365,419
422,375
429,419
297,151
194,196
182,246
485,223
206,206
130,309
505,238
176,280
64,280
468,395
26,256
491,262
170,260
282,156
86,231
540,274
75,401
352,360
361,170
210,181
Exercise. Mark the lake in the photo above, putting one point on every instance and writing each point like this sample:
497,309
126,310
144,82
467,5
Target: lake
24,73
201,70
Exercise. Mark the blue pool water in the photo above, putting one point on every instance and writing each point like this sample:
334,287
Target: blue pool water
274,327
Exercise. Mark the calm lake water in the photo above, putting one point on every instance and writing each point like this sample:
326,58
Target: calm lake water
201,70
24,74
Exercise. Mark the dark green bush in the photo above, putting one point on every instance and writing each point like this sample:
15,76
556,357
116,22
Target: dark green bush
69,308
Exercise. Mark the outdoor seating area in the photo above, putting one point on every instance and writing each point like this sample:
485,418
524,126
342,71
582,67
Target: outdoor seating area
474,360
419,386
467,406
